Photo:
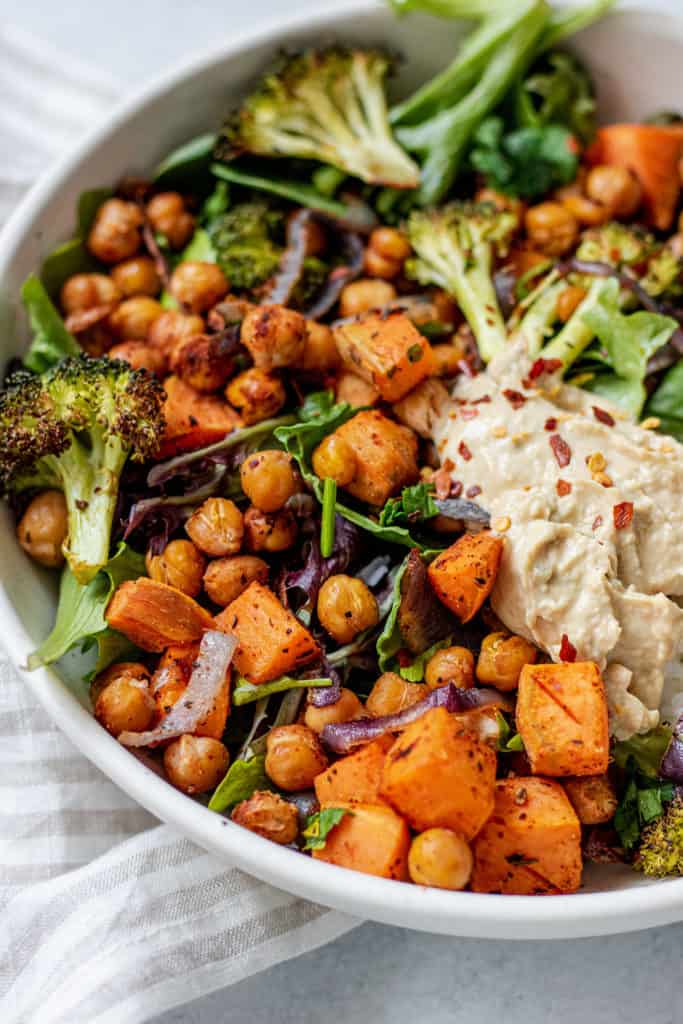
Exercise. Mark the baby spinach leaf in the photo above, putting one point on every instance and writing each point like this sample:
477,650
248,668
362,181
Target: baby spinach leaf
186,163
415,671
80,618
51,341
642,801
73,257
242,780
246,692
319,826
667,402
390,641
416,503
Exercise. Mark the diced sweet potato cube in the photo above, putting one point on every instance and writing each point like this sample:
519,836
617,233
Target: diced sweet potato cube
439,775
356,778
386,456
155,616
388,351
170,680
272,641
593,798
371,838
464,574
194,419
349,387
391,694
562,718
531,844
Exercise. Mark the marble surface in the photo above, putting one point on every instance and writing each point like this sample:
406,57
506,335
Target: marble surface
376,973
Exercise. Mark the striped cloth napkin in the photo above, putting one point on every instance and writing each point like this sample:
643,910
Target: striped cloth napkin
107,916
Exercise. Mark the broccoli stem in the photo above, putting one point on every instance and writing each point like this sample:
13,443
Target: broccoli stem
477,299
539,318
576,335
564,23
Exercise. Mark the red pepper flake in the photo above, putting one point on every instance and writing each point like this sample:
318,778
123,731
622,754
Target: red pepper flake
483,398
515,398
563,488
623,514
561,450
597,522
464,451
455,489
551,423
404,658
473,491
469,414
567,649
603,416
541,366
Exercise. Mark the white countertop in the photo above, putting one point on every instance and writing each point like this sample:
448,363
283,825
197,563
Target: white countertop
376,973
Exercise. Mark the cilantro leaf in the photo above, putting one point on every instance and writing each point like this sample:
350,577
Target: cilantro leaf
642,801
319,826
526,162
416,503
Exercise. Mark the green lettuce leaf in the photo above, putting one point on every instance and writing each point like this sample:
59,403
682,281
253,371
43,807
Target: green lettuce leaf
319,826
646,750
242,780
414,672
667,402
415,504
246,692
80,616
51,341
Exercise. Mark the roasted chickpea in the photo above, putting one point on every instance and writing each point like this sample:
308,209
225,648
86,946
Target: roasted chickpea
269,816
201,363
43,528
390,694
376,265
390,243
269,531
501,659
120,670
616,188
195,764
226,578
269,478
349,387
88,291
346,708
171,328
440,858
593,798
132,320
274,336
167,215
216,527
365,294
585,210
447,359
450,665
116,231
179,565
569,301
551,227
137,276
140,356
346,606
294,756
258,395
320,351
125,705
335,458
197,285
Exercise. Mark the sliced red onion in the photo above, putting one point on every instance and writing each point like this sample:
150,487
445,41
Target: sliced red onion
346,736
306,804
208,676
152,246
292,260
353,256
672,762
142,509
459,508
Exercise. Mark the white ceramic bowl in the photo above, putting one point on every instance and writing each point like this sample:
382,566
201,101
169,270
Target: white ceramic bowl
180,105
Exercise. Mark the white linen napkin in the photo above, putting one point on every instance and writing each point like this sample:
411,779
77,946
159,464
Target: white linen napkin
107,916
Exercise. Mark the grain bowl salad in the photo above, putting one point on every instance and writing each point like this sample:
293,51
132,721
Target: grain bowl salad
354,433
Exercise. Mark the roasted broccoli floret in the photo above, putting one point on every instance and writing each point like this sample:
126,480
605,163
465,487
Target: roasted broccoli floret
664,273
661,844
73,428
616,244
325,105
244,242
454,250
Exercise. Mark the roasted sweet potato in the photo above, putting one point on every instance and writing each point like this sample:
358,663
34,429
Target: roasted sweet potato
391,694
155,616
356,778
531,844
562,718
438,774
423,406
652,152
593,798
464,574
349,387
272,641
170,680
193,419
386,456
372,838
386,350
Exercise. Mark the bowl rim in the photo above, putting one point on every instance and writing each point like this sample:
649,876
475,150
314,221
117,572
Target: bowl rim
392,902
